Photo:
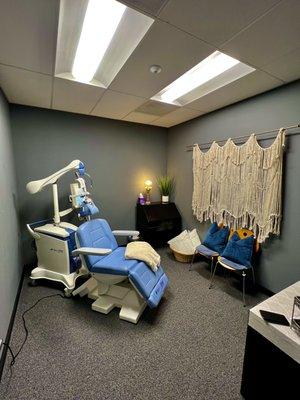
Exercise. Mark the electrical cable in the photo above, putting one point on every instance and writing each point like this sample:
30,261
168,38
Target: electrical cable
15,355
11,352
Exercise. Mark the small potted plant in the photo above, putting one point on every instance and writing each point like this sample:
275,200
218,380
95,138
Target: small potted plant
165,186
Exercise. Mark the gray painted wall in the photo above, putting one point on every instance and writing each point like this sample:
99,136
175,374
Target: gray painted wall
10,266
118,155
280,261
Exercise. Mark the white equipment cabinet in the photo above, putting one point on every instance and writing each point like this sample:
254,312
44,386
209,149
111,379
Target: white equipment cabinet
55,240
55,262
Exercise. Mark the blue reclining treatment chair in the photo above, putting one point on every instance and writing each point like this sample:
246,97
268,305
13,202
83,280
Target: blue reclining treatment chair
116,281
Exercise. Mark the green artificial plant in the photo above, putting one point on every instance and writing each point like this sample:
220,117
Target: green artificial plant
165,185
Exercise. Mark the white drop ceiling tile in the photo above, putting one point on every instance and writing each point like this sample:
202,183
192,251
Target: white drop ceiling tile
28,31
178,116
116,105
286,67
214,21
157,123
175,51
157,108
25,87
74,96
270,37
248,86
140,117
151,7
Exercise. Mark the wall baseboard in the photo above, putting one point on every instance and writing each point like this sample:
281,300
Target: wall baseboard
10,326
265,290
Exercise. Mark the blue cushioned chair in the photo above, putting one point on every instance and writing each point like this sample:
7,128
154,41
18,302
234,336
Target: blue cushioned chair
116,281
238,254
213,244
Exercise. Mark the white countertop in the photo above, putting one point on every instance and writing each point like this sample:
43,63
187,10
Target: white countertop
281,336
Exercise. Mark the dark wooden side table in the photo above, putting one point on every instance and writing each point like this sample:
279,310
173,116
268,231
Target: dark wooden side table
158,222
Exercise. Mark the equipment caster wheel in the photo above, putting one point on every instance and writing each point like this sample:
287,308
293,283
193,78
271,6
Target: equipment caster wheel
68,292
32,282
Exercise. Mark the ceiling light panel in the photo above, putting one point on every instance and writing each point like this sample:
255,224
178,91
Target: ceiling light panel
99,25
212,73
95,38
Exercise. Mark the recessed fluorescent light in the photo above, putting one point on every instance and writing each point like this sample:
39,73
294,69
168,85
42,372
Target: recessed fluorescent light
100,23
213,72
96,38
207,69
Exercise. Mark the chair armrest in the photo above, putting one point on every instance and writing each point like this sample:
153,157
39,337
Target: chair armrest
91,251
126,233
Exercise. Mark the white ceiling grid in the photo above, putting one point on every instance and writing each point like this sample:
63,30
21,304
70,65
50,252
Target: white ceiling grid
262,33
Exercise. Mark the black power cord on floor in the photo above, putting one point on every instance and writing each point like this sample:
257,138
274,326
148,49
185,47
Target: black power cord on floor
14,356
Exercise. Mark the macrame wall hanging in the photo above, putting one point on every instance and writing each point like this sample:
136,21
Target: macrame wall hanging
240,185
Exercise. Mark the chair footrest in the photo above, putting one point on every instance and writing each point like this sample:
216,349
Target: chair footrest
123,297
103,304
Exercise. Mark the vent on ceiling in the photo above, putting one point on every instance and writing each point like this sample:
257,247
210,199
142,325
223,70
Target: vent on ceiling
156,108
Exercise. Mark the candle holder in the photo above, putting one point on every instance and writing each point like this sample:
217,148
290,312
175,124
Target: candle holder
148,187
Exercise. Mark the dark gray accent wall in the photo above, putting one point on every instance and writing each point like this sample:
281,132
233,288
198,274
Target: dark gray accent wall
118,155
280,260
10,266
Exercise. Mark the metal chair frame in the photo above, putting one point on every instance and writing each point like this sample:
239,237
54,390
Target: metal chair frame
243,233
232,269
212,258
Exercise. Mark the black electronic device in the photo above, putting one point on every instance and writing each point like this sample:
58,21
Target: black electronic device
274,318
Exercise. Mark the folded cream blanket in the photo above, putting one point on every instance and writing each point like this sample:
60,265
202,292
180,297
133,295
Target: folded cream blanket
144,252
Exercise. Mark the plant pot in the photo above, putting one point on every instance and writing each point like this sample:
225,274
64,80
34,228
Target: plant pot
165,199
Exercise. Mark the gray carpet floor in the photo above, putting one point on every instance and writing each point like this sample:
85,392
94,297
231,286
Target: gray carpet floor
190,347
